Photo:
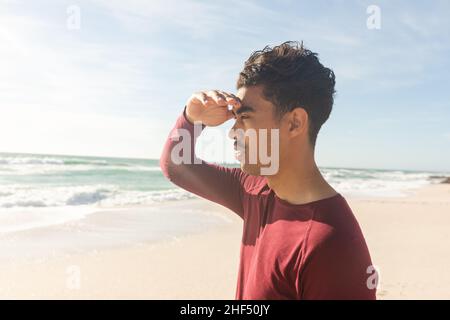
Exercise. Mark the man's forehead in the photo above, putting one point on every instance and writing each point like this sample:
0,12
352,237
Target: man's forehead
250,97
246,95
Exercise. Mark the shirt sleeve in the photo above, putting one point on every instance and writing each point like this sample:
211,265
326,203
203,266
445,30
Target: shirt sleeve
210,181
337,269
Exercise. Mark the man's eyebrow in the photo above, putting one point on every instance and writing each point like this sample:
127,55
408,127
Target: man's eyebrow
243,109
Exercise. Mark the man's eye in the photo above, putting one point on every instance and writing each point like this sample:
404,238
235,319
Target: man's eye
244,117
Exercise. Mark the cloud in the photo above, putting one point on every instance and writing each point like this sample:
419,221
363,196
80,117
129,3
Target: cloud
133,63
65,71
63,94
196,19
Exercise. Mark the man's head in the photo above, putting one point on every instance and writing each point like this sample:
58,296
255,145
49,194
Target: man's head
287,88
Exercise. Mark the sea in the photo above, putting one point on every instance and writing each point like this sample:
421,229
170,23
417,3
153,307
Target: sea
38,191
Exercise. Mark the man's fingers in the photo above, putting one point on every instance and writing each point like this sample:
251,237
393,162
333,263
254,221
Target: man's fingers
218,98
231,98
201,96
234,97
230,95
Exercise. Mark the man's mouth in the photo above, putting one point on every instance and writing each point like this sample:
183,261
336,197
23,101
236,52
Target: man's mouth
236,144
238,151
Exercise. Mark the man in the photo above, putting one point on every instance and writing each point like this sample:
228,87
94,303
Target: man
300,238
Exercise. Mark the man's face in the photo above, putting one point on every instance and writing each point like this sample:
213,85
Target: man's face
253,131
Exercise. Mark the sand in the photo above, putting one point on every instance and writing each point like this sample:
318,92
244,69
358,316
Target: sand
409,240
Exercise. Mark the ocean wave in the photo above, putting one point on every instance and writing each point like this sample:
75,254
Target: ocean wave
386,183
100,196
19,160
87,197
22,165
36,181
42,160
32,169
29,160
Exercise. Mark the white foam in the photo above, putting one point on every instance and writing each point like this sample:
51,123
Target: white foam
14,160
27,208
30,168
16,196
375,183
21,219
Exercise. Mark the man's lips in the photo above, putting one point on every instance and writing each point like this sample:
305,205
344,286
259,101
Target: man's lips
241,147
238,152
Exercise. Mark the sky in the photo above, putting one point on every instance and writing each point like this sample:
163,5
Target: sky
110,77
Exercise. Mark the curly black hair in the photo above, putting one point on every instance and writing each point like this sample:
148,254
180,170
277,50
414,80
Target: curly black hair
292,76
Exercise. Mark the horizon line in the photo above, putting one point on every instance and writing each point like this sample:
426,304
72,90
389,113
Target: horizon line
225,163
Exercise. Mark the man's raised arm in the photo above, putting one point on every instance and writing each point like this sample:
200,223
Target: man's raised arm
181,166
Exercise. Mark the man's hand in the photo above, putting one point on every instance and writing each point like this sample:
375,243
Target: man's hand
211,107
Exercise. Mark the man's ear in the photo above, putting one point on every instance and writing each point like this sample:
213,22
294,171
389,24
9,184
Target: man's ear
298,120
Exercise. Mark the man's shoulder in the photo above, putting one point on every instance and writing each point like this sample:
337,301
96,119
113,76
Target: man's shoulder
252,184
333,223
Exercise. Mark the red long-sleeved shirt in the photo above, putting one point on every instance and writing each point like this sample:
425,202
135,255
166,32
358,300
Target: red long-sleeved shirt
308,251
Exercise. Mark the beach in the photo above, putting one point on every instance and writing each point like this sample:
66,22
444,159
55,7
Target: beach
117,115
409,241
407,237
200,265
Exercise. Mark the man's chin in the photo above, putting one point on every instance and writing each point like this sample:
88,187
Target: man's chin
251,169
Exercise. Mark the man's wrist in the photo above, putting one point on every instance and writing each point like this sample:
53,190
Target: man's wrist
191,121
188,119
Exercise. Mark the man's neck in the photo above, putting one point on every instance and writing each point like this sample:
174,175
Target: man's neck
300,182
